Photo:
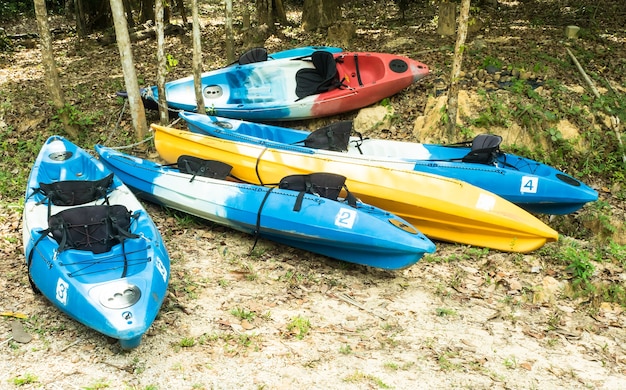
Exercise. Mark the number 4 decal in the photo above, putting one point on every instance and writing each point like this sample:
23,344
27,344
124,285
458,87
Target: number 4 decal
529,184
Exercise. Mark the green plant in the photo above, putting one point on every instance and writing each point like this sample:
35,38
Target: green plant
445,363
25,379
494,113
299,327
510,362
441,312
345,349
187,342
75,116
578,264
170,62
242,314
100,384
554,134
491,62
359,376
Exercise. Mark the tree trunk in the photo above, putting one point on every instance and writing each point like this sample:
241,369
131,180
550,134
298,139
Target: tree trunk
197,58
447,18
183,11
81,29
52,75
129,14
459,48
137,110
230,37
264,13
161,65
279,12
320,14
147,10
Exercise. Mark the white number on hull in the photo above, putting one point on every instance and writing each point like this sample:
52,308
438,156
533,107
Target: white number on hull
345,218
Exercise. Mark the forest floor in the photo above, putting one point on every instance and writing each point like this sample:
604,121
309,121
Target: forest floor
284,318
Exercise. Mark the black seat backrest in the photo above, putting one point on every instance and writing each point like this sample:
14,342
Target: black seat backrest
322,78
256,54
333,137
76,192
197,166
485,149
91,228
323,184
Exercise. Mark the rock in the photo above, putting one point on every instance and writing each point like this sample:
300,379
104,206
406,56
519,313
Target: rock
571,32
548,292
373,118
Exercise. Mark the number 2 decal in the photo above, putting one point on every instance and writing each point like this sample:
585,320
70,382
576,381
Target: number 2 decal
529,184
345,218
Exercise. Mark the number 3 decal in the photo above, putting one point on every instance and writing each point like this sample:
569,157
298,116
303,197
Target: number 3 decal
345,218
529,184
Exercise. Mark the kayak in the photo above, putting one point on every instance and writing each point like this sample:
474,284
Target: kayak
442,208
257,54
534,186
91,248
318,85
357,233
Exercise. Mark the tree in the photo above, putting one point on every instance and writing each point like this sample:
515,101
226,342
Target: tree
197,57
230,37
453,91
146,11
447,18
137,110
320,13
269,11
52,75
161,69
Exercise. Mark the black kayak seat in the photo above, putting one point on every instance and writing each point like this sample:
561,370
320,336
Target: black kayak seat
322,78
256,54
335,137
485,149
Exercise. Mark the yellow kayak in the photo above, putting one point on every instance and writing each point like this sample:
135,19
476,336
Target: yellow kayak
442,208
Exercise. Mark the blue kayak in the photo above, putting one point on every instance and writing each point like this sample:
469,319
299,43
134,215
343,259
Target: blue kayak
532,185
254,55
91,248
335,227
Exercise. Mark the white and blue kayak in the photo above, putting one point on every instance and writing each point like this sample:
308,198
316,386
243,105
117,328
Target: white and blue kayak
534,186
257,54
91,248
340,228
321,84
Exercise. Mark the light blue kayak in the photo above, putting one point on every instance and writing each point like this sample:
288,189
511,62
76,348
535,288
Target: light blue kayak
255,55
357,232
532,185
91,248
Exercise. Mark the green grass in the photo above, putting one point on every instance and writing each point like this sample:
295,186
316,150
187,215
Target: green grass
299,327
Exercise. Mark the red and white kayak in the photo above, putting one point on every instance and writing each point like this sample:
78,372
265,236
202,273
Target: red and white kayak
318,85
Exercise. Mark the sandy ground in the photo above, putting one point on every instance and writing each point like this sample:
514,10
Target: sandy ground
464,319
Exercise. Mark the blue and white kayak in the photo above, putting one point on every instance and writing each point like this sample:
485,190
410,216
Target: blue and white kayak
258,54
91,248
357,233
322,84
532,185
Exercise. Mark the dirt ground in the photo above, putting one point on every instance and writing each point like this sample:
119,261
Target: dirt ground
282,318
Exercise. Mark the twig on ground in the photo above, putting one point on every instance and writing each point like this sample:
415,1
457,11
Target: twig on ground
71,345
351,301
